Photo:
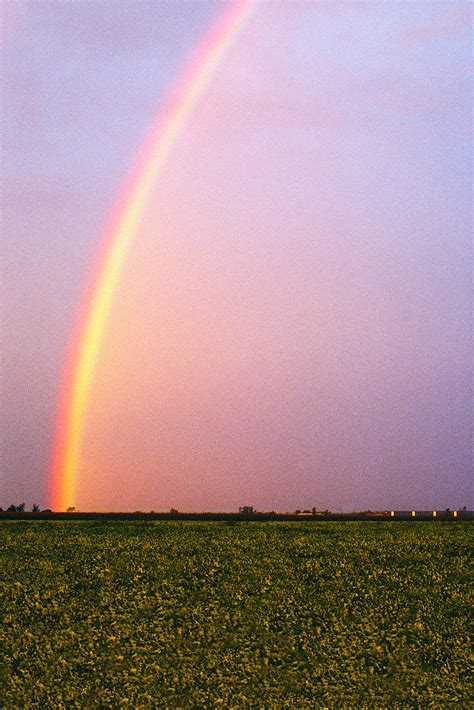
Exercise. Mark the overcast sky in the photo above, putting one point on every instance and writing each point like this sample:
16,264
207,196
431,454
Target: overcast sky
292,328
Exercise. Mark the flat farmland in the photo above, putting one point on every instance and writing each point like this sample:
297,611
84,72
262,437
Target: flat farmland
234,615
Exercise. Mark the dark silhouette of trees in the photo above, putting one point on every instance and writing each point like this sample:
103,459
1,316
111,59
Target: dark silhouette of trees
35,508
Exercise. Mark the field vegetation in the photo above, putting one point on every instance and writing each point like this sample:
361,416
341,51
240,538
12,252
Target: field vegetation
234,615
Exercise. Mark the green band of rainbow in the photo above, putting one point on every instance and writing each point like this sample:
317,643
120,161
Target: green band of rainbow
114,247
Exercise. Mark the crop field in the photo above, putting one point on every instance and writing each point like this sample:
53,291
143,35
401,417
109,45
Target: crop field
234,615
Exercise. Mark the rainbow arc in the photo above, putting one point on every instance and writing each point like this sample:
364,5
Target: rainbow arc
115,244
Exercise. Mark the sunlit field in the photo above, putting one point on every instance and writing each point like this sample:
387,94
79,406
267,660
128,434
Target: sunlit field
234,615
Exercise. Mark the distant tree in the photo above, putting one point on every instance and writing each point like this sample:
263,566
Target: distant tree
11,509
35,508
173,511
20,508
71,509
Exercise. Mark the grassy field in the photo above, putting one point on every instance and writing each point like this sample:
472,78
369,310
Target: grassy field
246,615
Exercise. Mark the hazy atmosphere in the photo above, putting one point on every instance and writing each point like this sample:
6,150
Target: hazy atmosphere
292,326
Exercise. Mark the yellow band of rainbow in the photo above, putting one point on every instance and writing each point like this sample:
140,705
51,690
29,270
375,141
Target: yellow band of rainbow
115,244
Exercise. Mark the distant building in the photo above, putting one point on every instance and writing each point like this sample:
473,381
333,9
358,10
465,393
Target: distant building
446,514
246,509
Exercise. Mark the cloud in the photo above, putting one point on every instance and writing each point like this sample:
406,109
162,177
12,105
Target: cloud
451,22
322,7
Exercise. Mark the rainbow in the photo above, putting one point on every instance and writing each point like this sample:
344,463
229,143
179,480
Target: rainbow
115,243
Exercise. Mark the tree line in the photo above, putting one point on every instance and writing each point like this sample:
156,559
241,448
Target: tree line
21,508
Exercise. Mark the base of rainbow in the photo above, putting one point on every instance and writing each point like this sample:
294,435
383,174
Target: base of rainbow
115,244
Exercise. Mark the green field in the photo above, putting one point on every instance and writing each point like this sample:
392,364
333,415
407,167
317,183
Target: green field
244,615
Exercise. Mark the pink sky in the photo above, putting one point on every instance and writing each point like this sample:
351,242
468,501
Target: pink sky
292,328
